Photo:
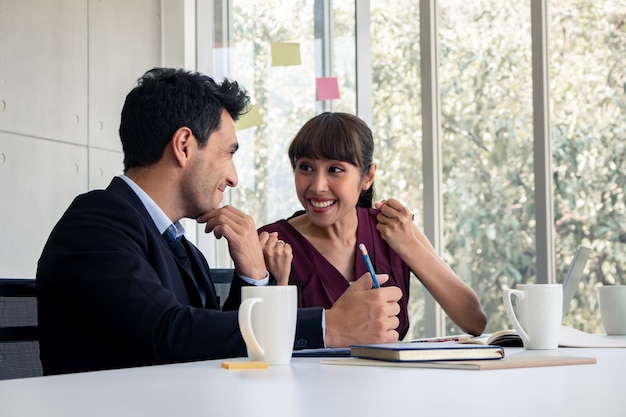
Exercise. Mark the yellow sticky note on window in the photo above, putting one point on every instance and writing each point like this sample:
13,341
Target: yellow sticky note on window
251,119
285,54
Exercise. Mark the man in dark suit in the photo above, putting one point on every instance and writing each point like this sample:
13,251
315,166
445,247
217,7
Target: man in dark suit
118,284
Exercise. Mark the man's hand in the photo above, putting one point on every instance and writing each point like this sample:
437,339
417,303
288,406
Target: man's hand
243,241
278,256
363,314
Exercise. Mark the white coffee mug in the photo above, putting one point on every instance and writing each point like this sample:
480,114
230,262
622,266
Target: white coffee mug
267,320
540,312
613,308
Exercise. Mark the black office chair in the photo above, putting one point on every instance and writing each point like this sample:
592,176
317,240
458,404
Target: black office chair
19,339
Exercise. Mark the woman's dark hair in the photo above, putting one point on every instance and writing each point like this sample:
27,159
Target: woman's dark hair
166,99
339,136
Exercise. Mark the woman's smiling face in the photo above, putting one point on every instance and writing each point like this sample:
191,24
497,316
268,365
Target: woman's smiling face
328,189
332,159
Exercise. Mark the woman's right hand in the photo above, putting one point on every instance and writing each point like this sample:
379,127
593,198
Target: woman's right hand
278,256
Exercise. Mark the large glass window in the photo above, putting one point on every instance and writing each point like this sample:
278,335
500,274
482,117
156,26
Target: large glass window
486,92
587,44
285,95
396,118
487,142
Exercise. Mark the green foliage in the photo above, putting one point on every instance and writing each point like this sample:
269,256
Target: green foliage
487,139
588,68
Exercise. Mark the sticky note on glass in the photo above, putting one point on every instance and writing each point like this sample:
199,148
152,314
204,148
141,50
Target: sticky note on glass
327,88
245,365
285,54
250,119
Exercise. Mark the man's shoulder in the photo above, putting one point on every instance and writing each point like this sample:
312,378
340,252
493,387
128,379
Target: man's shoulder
102,207
116,194
99,220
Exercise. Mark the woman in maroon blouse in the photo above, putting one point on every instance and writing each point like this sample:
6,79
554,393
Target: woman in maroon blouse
332,158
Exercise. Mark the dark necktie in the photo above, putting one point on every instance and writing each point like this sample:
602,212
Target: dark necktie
179,251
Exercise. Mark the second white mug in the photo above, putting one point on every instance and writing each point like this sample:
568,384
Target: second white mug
613,308
540,313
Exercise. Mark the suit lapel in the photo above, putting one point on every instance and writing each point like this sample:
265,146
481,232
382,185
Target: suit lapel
119,186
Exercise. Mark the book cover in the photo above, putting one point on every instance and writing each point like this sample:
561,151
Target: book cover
509,362
431,351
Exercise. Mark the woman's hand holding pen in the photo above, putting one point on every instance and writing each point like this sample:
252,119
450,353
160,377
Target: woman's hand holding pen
364,315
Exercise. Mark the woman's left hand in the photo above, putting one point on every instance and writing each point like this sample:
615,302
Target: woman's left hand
395,223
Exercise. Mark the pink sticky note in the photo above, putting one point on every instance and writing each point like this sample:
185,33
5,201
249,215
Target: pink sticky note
327,88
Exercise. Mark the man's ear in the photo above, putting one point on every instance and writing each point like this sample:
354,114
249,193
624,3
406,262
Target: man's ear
368,180
181,144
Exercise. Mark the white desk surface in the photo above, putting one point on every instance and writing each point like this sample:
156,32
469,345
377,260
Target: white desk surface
306,388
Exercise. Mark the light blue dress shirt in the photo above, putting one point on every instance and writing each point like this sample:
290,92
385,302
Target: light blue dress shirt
162,222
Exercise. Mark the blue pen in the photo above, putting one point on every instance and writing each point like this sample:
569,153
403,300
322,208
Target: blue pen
370,268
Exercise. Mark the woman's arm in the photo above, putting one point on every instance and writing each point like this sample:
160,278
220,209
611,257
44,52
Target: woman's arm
456,298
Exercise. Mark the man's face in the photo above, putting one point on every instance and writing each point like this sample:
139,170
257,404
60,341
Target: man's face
211,170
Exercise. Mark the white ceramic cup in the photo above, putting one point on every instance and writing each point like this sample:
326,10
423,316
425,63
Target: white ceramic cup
267,320
540,312
613,308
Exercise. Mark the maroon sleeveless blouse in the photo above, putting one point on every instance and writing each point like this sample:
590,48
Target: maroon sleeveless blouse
320,284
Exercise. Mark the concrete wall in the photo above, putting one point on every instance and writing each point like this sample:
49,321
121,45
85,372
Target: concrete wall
65,69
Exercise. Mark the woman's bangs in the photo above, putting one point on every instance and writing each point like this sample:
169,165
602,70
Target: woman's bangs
332,143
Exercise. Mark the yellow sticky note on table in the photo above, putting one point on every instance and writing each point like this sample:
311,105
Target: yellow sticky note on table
245,365
285,54
250,119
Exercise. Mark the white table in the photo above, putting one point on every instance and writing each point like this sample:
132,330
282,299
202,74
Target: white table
306,388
